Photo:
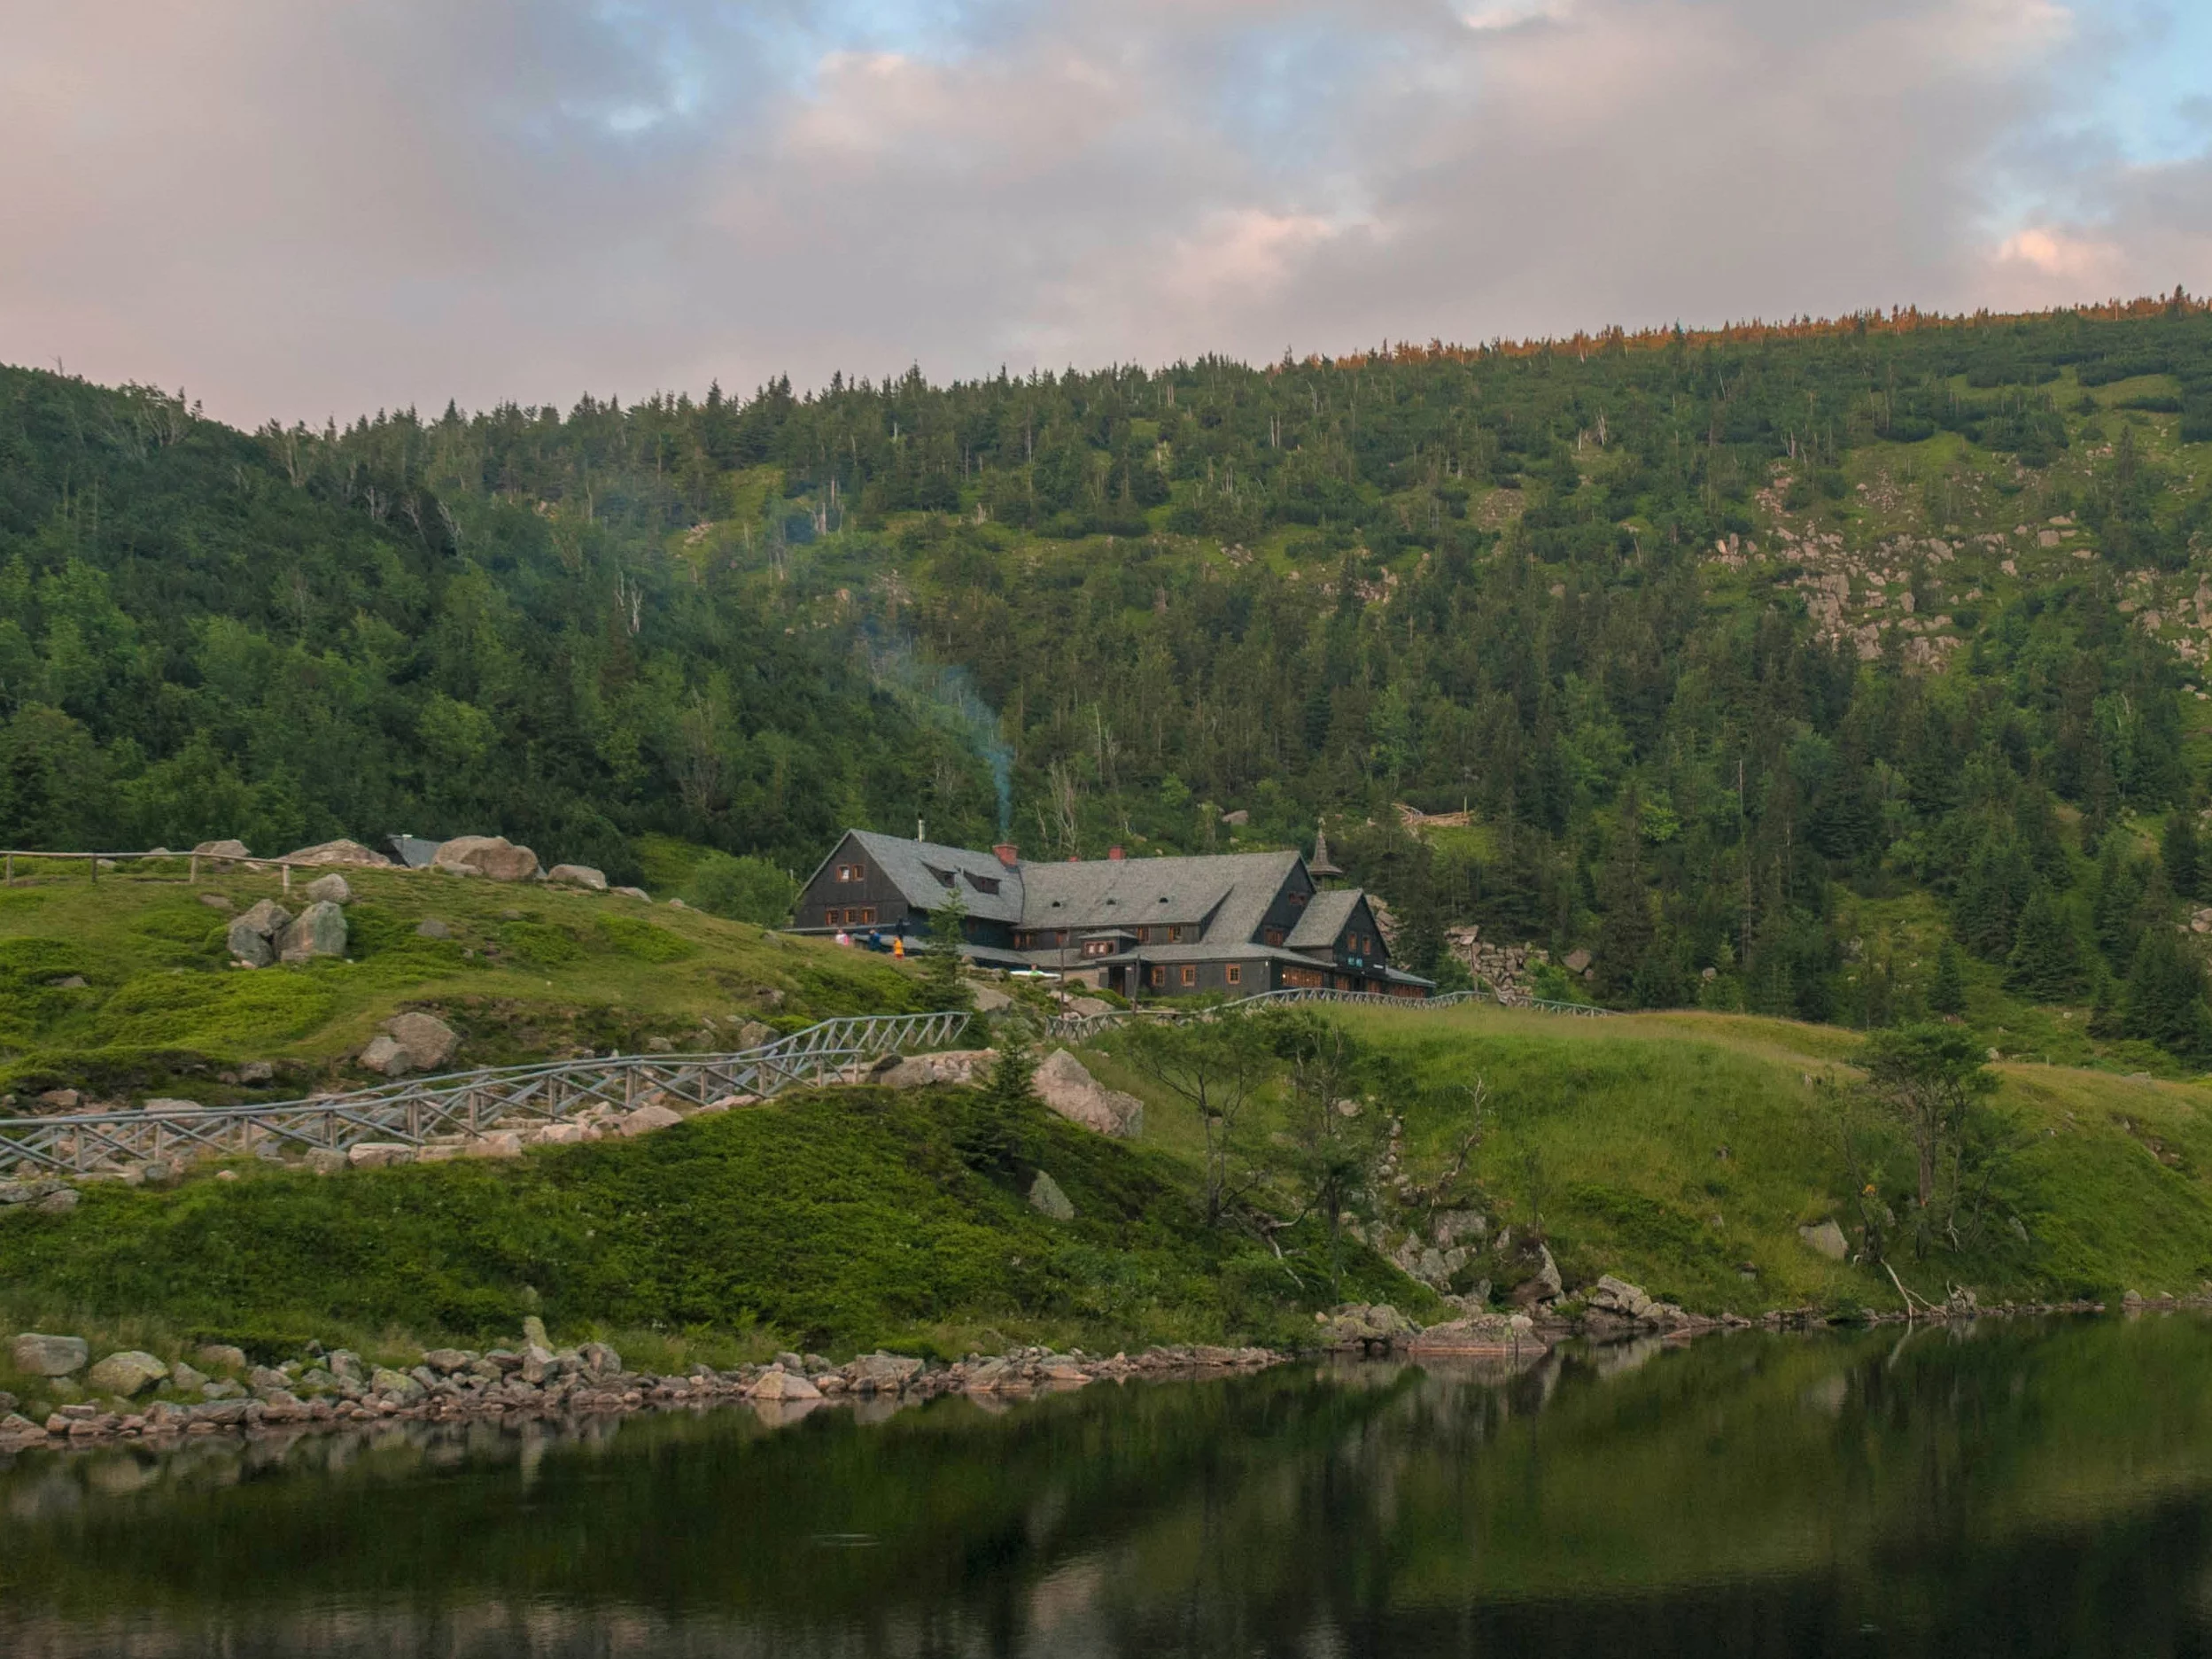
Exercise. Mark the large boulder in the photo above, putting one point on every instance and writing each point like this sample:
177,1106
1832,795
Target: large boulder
221,850
578,876
1064,1085
317,931
778,1384
50,1356
1618,1297
493,855
253,937
338,852
125,1374
428,1041
334,887
649,1118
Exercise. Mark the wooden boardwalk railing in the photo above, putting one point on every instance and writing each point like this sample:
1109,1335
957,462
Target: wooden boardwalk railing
417,1110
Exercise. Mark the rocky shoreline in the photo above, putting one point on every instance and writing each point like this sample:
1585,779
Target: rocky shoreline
336,1388
220,1391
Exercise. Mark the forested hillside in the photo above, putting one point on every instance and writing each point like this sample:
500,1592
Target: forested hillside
1841,670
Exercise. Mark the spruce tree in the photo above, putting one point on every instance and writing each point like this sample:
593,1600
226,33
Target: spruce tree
2114,900
2178,851
1985,912
2163,1000
943,986
2045,964
1947,993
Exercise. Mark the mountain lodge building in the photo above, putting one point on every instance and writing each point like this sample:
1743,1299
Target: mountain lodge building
1233,923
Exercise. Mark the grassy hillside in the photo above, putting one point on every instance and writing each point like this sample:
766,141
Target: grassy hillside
1683,1151
529,972
839,1222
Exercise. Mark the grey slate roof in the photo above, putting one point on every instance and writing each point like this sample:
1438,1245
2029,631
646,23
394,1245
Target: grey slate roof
910,866
1324,917
1229,892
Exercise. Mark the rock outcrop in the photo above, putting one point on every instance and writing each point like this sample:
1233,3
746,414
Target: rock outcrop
1067,1089
491,855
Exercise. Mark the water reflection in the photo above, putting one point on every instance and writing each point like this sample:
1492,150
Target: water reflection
2004,1488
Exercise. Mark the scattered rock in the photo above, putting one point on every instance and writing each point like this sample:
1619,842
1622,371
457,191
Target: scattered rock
253,936
221,850
499,1144
1826,1239
1047,1200
677,904
1615,1296
125,1374
50,1356
492,856
1359,1327
165,1105
258,1072
635,892
394,1384
318,931
339,852
73,982
990,999
958,1066
379,1154
333,889
323,1160
1575,961
1064,1085
1544,1285
578,876
58,1203
220,1356
430,928
61,1100
649,1118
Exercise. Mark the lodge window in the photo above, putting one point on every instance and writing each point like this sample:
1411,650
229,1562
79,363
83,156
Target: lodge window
1098,947
1160,976
852,873
1274,936
1233,974
1299,899
983,884
1190,976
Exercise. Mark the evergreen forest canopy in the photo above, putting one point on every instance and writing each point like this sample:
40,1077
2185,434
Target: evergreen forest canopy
1841,671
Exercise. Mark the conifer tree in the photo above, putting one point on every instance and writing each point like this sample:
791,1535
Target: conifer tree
2179,853
1947,993
944,987
2116,900
2163,1000
2045,964
1985,912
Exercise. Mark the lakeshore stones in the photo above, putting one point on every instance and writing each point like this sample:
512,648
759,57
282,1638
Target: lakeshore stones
125,1374
251,937
332,889
220,1356
534,1332
186,1377
1047,1200
1067,1089
318,931
50,1356
492,856
578,875
1609,1295
1826,1239
778,1383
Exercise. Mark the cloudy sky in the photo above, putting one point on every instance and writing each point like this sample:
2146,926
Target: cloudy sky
302,207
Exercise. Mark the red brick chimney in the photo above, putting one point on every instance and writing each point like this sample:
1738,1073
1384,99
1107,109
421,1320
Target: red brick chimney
1009,855
1116,854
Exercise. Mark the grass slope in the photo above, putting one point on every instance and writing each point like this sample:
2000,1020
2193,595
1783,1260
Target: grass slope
529,971
841,1220
1683,1152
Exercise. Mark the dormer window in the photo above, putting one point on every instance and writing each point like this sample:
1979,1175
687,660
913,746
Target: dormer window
852,873
943,877
983,884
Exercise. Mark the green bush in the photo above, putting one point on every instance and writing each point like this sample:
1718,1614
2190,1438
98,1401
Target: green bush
742,890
